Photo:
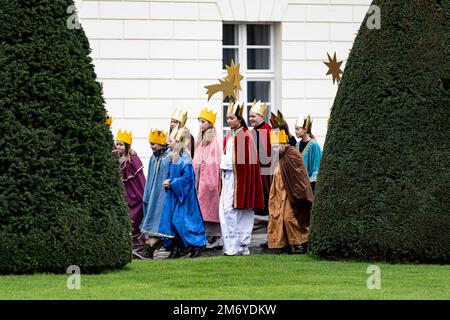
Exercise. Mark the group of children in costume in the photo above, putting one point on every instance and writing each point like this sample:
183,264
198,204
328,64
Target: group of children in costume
204,192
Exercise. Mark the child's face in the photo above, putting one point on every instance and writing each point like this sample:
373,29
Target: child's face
204,125
172,143
120,147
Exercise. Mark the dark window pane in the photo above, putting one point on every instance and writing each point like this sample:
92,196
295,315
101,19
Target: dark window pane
225,109
229,34
258,90
258,59
249,106
258,35
229,54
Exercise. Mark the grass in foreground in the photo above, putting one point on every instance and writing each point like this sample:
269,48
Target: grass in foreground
254,277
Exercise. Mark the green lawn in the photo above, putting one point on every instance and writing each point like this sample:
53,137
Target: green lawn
253,277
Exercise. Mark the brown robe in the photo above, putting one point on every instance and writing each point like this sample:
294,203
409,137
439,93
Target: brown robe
290,201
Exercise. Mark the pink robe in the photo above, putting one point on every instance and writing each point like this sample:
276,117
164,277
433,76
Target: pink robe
207,178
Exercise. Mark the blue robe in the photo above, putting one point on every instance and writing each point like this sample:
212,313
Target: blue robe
312,154
182,218
153,200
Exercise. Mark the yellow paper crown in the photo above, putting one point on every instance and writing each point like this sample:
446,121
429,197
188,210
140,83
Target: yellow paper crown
208,115
109,120
236,109
259,108
124,136
278,136
158,138
180,115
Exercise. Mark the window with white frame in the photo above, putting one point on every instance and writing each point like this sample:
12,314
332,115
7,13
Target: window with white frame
252,46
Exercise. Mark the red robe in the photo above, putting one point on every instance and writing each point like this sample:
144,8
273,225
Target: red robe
261,135
248,191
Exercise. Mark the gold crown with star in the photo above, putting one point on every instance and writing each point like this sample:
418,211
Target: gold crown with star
180,115
208,115
236,109
158,137
124,136
259,108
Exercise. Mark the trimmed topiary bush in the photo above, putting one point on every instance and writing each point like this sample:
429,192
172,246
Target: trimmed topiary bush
384,187
61,197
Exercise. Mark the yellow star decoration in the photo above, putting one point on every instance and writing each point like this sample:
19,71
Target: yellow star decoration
230,85
213,89
228,88
334,68
233,73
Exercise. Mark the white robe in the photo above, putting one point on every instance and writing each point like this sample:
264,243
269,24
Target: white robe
236,224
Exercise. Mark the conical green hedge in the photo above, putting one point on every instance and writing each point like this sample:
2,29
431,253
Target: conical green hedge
383,192
61,198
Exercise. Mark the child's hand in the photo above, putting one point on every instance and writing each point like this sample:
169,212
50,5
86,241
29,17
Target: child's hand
166,184
115,152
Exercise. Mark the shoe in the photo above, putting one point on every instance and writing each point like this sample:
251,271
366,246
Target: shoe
297,250
232,252
215,243
196,252
264,245
306,247
174,253
145,254
278,250
244,251
178,252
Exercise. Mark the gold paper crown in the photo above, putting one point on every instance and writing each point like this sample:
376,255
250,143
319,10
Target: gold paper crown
278,136
208,115
109,120
158,138
277,120
236,109
259,108
180,115
124,136
305,123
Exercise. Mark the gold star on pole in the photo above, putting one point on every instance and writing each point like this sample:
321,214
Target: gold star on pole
230,85
334,68
213,89
228,88
233,73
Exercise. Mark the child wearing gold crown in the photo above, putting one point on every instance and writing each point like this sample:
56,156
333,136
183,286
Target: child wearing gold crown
242,191
158,171
133,181
309,148
181,221
177,122
290,198
207,175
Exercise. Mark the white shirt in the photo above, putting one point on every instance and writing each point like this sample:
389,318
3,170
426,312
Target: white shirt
227,159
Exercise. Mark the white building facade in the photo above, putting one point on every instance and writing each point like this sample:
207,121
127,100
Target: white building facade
153,56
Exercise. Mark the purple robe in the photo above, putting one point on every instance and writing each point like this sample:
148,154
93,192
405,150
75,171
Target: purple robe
133,179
